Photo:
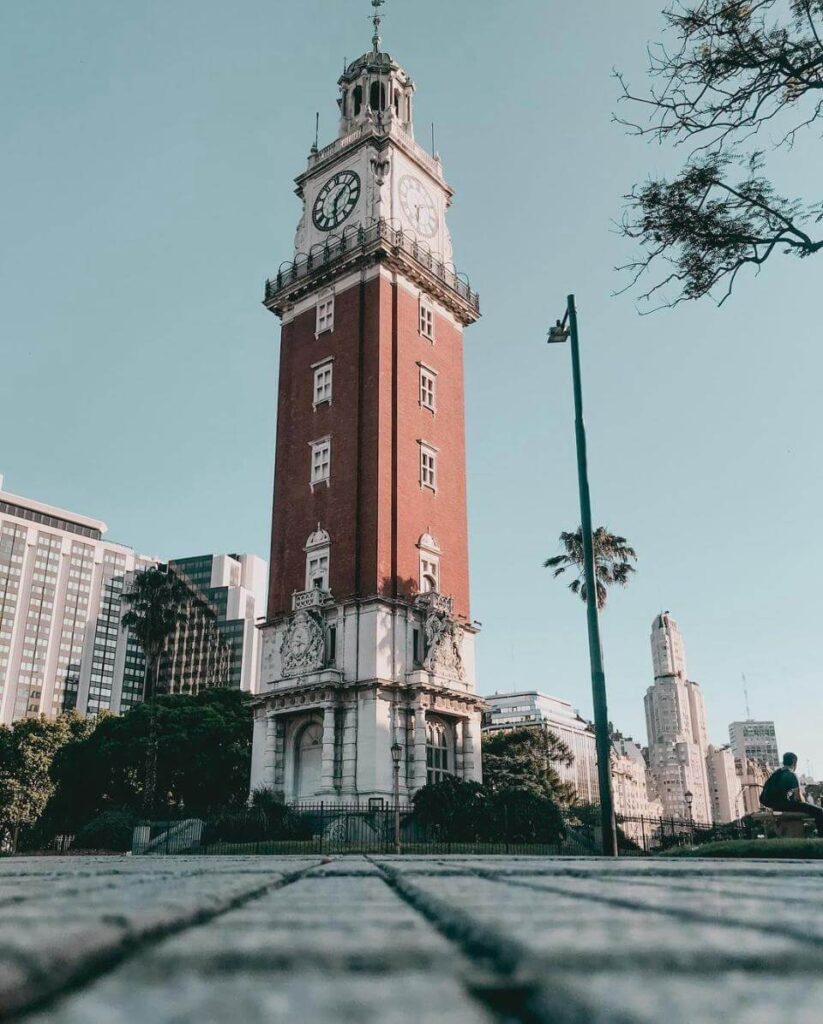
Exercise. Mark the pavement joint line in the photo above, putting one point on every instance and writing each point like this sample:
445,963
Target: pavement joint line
97,965
502,985
681,913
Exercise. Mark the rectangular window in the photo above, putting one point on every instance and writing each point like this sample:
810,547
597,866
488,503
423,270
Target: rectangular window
331,645
426,320
320,461
417,647
428,467
322,384
317,574
428,388
325,315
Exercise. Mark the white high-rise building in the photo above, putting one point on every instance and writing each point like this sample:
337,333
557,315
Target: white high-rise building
62,645
755,741
724,784
676,727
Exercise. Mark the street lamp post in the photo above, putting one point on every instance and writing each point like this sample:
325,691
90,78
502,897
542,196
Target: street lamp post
396,753
689,798
560,333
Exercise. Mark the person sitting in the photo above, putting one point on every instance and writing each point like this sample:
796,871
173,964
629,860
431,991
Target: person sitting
782,792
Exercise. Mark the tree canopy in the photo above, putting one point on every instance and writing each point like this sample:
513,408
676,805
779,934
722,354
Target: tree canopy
613,556
729,74
525,760
27,751
203,760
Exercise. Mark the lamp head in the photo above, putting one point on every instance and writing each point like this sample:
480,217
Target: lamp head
689,797
558,334
396,751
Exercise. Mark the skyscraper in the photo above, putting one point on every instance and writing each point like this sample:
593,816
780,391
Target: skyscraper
676,727
369,643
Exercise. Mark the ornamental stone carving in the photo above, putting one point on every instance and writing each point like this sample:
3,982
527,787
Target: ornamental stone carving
443,637
303,646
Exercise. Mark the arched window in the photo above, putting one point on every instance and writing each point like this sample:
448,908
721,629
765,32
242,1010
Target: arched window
358,99
429,564
438,754
317,560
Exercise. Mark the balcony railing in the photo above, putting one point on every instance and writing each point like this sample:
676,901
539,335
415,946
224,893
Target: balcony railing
363,239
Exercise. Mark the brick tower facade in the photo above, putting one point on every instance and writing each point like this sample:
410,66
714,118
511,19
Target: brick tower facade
368,642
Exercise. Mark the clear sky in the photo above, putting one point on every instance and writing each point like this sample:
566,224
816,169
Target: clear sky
146,192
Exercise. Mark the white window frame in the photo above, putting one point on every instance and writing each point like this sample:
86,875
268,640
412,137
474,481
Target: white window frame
320,370
427,374
429,569
428,466
324,315
317,566
425,319
315,479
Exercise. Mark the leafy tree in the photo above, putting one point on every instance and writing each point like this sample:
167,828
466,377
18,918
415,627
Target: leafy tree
735,70
27,751
454,808
203,760
525,760
157,603
612,562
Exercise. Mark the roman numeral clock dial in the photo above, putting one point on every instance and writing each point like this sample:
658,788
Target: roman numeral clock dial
418,206
336,200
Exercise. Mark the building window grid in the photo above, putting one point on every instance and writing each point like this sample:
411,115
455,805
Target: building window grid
322,384
320,461
438,762
426,320
428,389
325,315
428,467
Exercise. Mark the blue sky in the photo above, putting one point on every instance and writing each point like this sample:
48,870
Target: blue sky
146,192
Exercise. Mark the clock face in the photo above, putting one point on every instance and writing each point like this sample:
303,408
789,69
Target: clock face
418,206
336,200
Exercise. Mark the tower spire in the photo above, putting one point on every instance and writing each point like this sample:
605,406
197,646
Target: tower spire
376,18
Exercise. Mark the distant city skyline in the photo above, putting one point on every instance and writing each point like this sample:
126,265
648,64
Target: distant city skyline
147,193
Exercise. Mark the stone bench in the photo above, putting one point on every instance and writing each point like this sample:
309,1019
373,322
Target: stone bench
781,824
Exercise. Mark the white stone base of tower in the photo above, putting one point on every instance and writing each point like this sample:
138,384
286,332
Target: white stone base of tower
342,683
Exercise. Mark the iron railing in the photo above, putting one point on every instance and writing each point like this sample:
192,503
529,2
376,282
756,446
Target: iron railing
380,232
329,828
642,835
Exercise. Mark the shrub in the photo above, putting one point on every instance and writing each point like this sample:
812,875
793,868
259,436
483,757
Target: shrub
111,830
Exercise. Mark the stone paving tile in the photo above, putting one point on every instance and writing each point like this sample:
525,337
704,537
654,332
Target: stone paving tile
56,935
401,939
260,998
570,930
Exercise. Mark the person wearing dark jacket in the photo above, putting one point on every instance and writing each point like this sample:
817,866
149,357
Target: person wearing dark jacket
782,792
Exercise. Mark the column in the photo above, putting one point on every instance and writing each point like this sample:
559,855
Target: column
459,761
419,749
327,762
472,770
269,755
280,757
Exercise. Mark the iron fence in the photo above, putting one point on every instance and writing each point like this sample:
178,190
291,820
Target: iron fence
327,828
642,835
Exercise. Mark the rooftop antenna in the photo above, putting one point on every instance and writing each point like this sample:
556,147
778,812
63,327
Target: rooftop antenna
746,695
376,18
434,151
316,132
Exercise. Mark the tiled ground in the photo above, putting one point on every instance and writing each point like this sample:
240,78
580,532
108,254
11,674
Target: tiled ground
452,940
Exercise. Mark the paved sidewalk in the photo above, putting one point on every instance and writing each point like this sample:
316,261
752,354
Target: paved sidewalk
423,940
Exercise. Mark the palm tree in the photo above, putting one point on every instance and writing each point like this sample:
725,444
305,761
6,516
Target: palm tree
612,562
157,604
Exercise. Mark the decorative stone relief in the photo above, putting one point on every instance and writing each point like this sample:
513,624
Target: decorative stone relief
443,637
303,645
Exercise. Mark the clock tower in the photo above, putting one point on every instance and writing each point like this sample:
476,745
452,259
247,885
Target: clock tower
368,643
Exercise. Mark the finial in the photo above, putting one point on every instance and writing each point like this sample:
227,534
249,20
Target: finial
376,18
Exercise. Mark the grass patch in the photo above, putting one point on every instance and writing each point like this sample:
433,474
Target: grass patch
768,849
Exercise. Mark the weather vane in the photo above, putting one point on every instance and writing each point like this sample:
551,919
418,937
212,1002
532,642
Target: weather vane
377,18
